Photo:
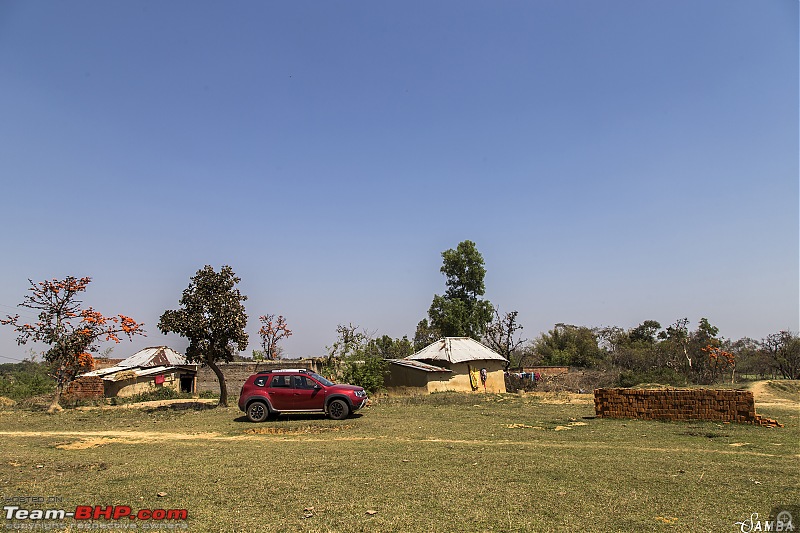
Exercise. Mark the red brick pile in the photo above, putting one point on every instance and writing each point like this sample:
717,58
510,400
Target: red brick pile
85,388
680,404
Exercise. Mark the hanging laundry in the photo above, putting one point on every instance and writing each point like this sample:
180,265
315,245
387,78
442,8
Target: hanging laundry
474,376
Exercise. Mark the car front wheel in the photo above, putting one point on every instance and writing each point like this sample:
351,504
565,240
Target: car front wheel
257,412
338,409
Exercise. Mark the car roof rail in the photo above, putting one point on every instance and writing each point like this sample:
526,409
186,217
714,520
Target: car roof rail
280,370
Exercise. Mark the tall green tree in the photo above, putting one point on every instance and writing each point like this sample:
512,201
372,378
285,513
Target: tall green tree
460,312
386,347
689,351
213,319
425,334
569,345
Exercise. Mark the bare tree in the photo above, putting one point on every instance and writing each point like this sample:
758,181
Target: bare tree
783,349
501,334
271,332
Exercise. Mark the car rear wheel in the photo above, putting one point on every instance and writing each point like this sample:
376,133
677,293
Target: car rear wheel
257,412
338,409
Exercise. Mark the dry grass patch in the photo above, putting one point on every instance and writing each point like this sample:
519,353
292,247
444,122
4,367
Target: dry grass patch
438,463
300,430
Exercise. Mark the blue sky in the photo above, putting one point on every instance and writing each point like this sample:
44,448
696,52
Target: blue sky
614,161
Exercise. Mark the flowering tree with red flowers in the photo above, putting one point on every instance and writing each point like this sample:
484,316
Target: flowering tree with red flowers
71,331
272,330
719,360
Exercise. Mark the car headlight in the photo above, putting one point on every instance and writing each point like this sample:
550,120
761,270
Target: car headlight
361,393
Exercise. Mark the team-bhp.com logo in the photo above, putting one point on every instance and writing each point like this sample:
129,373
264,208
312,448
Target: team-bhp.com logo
94,512
782,521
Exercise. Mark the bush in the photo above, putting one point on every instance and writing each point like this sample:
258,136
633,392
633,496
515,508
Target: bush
25,380
160,393
369,373
515,383
663,376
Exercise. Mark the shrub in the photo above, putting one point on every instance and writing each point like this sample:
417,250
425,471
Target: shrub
369,373
515,383
155,394
663,376
25,380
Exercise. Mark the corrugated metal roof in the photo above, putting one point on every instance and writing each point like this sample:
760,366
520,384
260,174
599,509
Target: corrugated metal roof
154,370
110,372
155,356
456,350
104,371
119,373
418,365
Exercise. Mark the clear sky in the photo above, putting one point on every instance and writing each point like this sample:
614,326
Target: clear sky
614,161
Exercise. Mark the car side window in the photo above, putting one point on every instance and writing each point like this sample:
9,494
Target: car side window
260,382
280,381
301,382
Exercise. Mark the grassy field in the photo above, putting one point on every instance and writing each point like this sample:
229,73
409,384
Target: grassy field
446,462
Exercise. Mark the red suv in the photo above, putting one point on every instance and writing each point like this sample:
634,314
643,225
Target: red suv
297,391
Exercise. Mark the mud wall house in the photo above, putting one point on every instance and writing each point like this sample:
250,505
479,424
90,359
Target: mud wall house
449,364
147,370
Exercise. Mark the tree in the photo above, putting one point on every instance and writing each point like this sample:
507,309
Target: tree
425,334
679,343
349,340
783,349
569,345
460,312
678,336
640,356
750,357
272,330
71,331
355,358
501,335
386,347
213,318
719,360
645,332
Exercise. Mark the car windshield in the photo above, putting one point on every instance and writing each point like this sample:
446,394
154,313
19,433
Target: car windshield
321,379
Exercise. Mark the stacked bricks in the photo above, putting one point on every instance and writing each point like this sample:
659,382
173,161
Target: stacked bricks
85,388
680,404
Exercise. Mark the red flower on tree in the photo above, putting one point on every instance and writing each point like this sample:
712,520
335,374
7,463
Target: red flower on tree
272,330
70,331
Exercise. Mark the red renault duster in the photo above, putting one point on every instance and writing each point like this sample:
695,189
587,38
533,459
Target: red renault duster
298,391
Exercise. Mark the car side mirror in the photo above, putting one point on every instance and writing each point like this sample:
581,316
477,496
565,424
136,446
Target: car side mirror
316,386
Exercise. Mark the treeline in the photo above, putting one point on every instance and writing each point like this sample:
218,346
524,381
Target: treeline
675,355
25,379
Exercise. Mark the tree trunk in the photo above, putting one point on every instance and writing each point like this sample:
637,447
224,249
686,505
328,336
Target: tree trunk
54,404
223,387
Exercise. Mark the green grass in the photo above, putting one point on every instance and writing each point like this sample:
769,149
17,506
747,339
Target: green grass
784,388
445,462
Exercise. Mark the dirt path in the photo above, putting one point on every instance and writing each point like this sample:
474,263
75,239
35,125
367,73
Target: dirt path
93,439
765,397
81,440
151,404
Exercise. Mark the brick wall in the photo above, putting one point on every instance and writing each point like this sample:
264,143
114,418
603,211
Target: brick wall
679,404
85,388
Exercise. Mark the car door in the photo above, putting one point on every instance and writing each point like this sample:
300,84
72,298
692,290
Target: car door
281,393
307,394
